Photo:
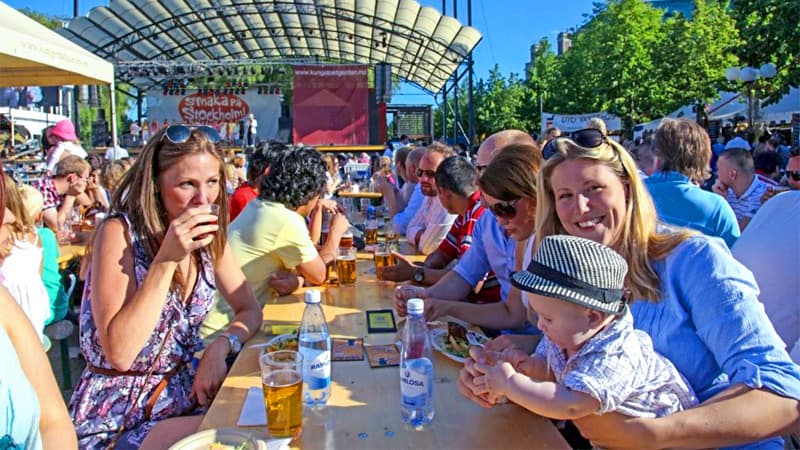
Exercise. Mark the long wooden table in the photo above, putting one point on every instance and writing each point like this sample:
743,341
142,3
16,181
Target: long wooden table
68,252
359,194
364,409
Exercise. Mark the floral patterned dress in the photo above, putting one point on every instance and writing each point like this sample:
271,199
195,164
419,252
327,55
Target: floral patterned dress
101,402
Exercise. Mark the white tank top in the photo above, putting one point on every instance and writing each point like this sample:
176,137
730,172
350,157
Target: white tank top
20,275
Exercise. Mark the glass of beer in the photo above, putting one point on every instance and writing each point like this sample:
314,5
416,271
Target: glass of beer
347,239
214,210
383,258
282,383
346,265
329,271
392,240
371,232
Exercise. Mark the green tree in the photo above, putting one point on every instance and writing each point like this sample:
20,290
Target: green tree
772,33
499,108
87,115
610,65
541,83
50,22
693,60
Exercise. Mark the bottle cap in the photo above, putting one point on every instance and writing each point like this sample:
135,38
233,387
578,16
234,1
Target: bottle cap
313,296
415,306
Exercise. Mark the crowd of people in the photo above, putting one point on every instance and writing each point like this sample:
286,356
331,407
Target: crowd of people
644,293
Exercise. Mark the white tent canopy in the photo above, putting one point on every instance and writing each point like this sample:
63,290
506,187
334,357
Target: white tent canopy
33,55
732,104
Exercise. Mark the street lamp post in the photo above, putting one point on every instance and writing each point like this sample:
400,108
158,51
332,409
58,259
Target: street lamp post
749,77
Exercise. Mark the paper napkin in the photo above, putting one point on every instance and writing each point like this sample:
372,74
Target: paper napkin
253,411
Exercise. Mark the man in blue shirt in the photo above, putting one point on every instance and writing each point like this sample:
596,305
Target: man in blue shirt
682,153
491,249
401,212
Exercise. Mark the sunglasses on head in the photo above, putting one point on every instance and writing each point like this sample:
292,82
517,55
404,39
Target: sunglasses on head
587,138
504,210
427,173
179,134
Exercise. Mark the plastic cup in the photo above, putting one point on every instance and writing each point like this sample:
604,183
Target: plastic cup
282,384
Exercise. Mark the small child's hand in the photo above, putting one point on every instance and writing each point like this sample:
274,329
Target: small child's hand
514,356
495,378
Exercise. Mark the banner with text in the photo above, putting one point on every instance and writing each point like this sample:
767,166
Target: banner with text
330,105
217,110
574,122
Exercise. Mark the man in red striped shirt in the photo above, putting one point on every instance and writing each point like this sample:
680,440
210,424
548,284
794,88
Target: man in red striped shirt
458,194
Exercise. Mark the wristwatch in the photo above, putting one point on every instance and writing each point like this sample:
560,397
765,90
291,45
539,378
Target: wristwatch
419,275
235,343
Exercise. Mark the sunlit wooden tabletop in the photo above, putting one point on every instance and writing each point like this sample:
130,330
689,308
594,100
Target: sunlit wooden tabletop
364,409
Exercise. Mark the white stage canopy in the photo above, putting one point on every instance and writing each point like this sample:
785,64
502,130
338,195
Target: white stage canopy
33,55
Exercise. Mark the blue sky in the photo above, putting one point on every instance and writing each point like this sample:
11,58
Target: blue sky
509,28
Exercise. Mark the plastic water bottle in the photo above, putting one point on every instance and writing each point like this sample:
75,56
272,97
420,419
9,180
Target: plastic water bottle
416,368
315,346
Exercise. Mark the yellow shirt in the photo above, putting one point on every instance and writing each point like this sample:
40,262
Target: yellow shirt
265,237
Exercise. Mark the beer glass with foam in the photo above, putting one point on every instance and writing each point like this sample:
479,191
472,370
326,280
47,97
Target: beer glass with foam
282,384
346,265
371,232
383,258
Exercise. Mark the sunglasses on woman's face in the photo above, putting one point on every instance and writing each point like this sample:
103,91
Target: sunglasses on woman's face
793,174
504,210
179,134
587,138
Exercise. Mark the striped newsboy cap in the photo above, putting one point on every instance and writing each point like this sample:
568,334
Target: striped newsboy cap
577,270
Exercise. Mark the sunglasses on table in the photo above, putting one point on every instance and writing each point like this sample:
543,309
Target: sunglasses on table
587,137
179,134
427,173
504,210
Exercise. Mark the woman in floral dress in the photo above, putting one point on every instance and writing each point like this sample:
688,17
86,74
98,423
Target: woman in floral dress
156,263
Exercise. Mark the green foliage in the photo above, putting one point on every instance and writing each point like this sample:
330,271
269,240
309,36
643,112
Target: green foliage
88,114
541,83
49,22
771,30
695,54
630,60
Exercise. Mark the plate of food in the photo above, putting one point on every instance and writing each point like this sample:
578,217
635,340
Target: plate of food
286,341
452,341
221,439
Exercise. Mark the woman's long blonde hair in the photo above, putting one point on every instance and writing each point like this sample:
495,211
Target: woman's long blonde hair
639,243
22,228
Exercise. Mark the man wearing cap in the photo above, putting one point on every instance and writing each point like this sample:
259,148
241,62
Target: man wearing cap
66,143
61,189
737,182
738,142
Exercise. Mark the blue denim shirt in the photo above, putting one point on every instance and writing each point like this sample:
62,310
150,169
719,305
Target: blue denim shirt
403,218
710,324
490,250
681,203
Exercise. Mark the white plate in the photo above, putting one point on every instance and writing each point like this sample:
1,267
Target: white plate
280,339
438,337
232,437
